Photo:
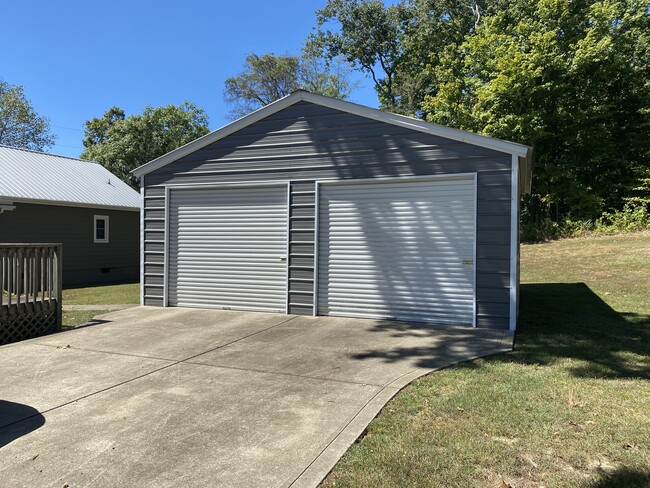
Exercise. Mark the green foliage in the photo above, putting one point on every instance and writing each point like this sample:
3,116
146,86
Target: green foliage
569,78
121,144
368,38
20,125
631,218
97,129
393,44
269,77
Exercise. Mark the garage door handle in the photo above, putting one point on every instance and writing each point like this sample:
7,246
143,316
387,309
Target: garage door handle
283,258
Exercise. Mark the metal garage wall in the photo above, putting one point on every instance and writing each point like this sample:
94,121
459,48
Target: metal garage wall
227,248
307,142
398,249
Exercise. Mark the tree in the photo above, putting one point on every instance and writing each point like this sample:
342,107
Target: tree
572,79
97,129
368,38
269,77
20,125
121,144
393,44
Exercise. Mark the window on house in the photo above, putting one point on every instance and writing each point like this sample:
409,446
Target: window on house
101,228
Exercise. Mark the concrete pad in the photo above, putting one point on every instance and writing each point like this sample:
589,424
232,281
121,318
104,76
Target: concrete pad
39,378
164,333
187,425
354,350
186,397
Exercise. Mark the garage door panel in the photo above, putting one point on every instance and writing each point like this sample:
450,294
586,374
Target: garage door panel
401,250
226,247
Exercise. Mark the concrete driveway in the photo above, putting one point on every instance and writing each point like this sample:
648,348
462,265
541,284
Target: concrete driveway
172,397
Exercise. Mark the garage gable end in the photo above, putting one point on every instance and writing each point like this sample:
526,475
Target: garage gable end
306,146
524,153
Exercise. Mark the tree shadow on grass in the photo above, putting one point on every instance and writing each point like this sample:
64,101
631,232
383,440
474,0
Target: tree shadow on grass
568,320
623,477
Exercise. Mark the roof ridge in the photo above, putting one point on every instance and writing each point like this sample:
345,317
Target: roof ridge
48,154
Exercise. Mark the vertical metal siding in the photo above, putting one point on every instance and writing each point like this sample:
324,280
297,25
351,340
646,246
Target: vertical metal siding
226,248
400,250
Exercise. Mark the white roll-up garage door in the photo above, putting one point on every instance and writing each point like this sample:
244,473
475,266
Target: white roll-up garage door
400,249
227,248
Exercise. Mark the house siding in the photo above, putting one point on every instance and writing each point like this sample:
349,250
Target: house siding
307,142
84,261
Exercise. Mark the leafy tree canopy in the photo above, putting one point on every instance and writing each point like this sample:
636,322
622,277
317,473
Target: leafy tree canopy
20,125
572,79
569,77
393,44
121,143
269,77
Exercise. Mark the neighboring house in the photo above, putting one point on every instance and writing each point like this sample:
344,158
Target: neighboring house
317,206
48,199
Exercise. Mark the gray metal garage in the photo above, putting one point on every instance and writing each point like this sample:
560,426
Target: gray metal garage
317,206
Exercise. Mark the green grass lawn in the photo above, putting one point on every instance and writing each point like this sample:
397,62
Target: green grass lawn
102,295
570,407
73,318
96,295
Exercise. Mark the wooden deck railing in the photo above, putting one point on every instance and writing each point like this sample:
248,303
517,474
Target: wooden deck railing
30,290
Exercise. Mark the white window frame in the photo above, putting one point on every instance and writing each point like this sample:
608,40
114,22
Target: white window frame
105,239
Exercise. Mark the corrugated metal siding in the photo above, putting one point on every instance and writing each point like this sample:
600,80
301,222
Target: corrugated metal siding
228,248
301,244
84,261
34,175
310,142
398,250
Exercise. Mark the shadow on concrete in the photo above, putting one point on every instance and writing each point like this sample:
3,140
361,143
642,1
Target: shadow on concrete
17,420
90,323
435,345
557,321
623,477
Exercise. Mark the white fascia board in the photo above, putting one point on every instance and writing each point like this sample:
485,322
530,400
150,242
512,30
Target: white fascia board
507,147
57,203
214,136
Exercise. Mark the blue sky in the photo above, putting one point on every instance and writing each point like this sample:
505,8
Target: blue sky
76,59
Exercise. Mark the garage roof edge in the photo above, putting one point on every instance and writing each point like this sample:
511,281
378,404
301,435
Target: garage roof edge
382,116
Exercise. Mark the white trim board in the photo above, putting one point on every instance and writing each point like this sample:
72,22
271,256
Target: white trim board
507,147
142,273
514,243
